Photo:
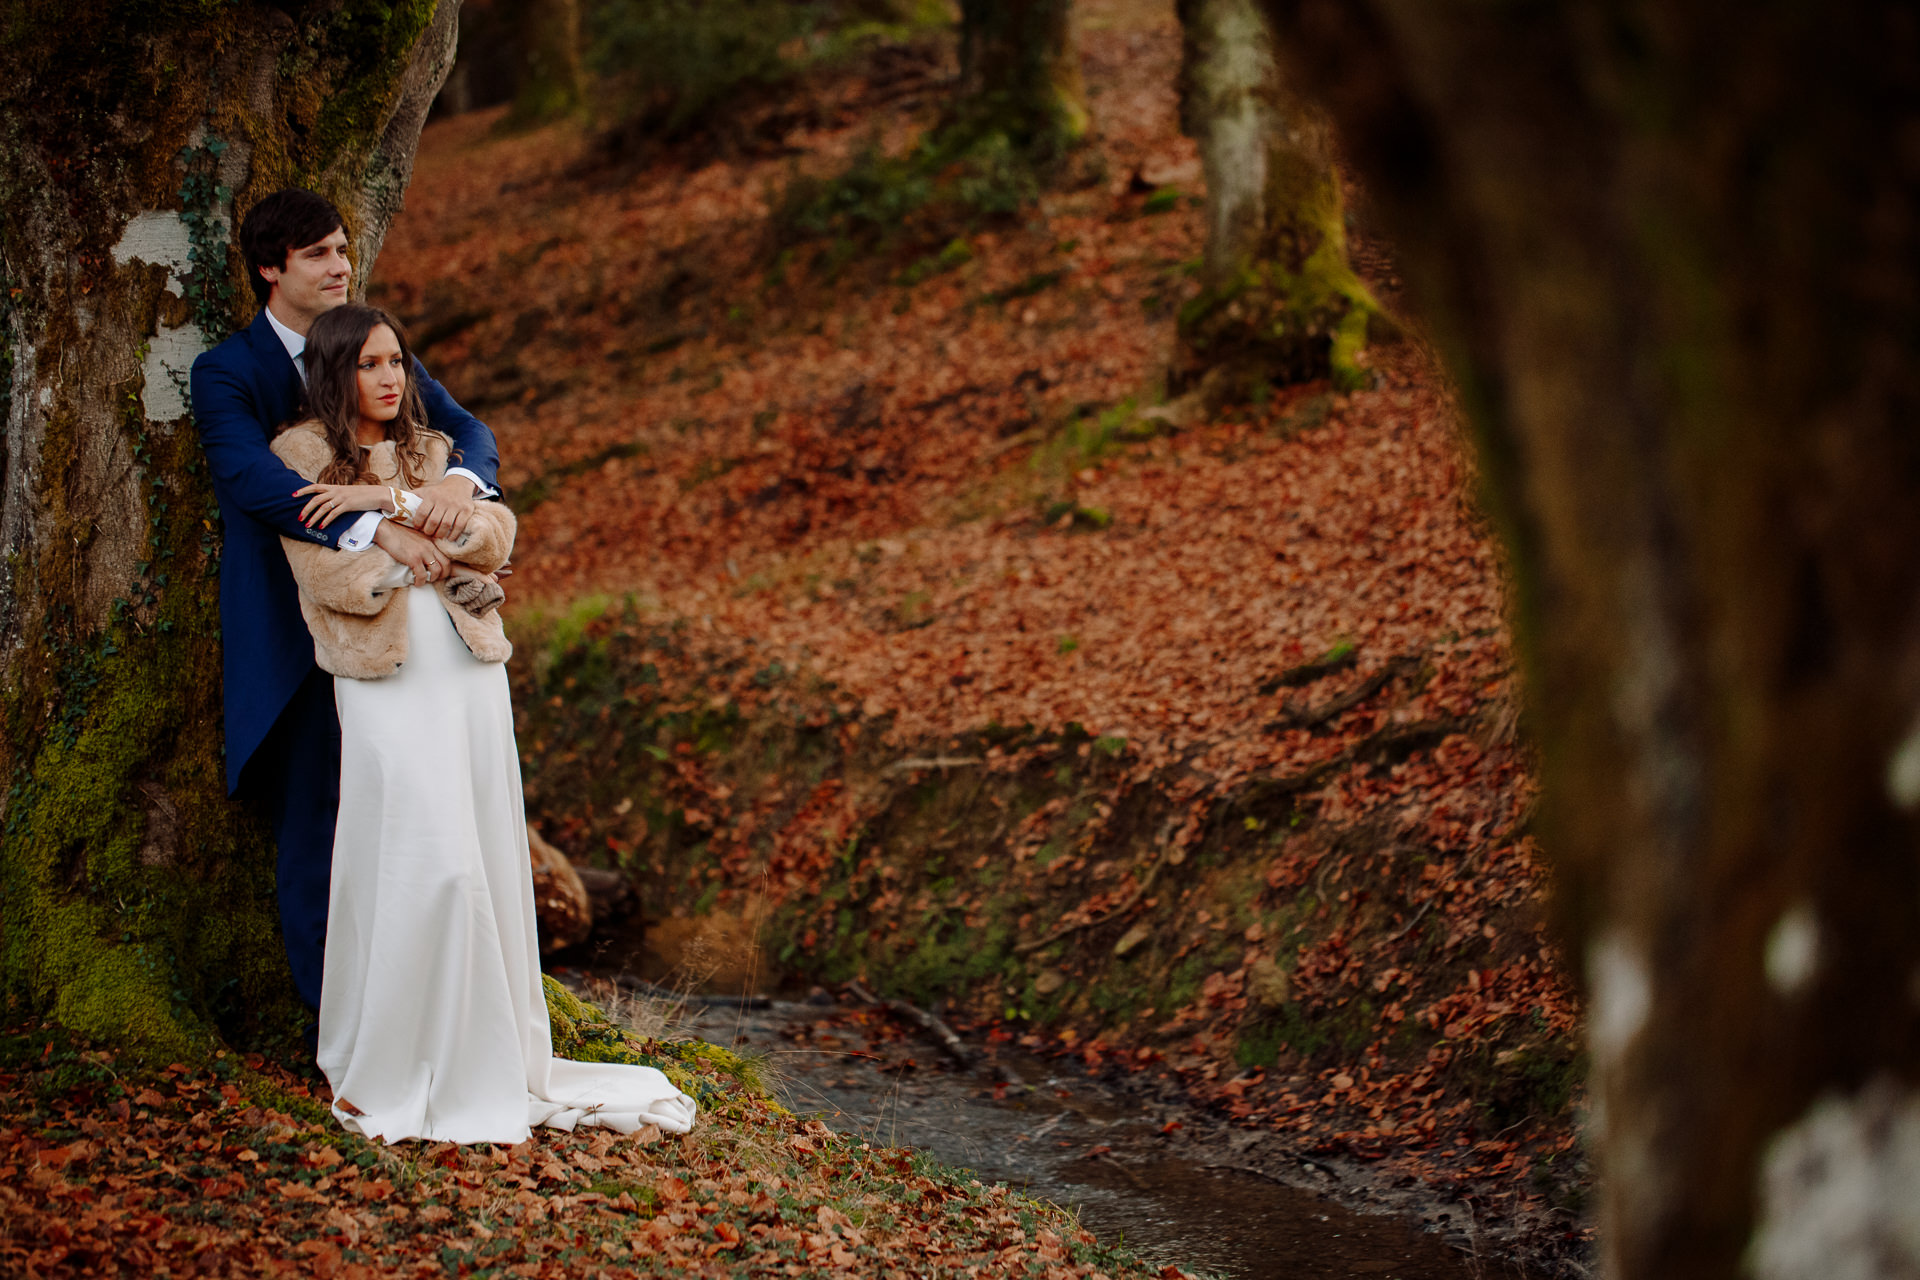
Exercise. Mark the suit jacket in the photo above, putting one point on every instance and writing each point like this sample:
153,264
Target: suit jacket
243,390
354,601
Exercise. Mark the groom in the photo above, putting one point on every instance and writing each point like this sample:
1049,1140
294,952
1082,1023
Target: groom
283,735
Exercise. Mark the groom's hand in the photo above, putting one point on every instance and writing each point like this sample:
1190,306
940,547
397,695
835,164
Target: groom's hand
414,550
446,507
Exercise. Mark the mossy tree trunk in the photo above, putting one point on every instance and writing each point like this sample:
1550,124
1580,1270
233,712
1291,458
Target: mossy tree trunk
1020,73
135,899
1673,255
1278,300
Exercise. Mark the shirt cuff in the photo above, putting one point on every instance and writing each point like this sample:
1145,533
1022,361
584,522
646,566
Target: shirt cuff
359,535
481,489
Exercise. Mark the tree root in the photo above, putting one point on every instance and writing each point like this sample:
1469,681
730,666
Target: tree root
1295,716
1307,672
1383,746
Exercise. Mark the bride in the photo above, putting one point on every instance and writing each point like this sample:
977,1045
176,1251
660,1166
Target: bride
433,1023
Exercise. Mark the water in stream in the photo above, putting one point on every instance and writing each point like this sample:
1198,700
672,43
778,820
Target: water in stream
1070,1140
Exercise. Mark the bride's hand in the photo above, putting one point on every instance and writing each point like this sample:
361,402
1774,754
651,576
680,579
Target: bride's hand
325,501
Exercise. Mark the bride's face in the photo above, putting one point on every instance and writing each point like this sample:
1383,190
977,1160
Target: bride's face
383,376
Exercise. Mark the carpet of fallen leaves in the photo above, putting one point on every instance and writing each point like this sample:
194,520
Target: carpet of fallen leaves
910,489
238,1170
910,499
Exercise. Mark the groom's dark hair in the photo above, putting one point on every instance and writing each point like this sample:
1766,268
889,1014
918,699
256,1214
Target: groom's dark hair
286,220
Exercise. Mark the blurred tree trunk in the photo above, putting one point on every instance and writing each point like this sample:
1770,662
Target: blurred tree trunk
1278,300
1671,254
552,79
1020,72
137,901
488,65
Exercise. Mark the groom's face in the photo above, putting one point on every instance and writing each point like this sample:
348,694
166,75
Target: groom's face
315,277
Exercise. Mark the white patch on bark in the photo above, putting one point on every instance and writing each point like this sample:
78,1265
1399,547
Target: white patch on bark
161,239
1235,81
1622,997
1647,693
1903,770
1837,1191
1793,950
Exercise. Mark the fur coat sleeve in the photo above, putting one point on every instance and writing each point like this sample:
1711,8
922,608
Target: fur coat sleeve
348,598
488,542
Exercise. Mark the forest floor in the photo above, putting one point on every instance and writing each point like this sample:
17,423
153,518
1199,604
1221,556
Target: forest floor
873,622
237,1168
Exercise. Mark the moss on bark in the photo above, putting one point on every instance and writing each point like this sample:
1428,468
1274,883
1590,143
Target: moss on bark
138,898
1279,302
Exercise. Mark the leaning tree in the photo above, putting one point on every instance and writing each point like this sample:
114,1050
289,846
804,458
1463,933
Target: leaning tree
1672,253
135,899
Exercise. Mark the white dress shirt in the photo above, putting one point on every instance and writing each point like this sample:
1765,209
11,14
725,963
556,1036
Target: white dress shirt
359,535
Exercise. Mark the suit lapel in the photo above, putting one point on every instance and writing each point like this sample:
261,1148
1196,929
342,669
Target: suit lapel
282,384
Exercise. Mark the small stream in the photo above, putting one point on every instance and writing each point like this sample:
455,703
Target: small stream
1071,1140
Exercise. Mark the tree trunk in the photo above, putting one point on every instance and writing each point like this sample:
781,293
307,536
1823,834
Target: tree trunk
1671,253
552,80
1020,73
137,899
1278,300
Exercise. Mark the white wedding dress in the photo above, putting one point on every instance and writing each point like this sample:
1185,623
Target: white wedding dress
432,1020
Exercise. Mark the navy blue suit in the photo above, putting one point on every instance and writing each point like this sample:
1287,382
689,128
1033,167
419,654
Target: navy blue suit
282,732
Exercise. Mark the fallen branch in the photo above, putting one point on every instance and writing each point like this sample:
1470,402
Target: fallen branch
930,762
941,1034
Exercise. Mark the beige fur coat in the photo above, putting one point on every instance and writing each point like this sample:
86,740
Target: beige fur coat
354,601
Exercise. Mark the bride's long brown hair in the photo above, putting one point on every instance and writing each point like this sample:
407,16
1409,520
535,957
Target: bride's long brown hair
333,396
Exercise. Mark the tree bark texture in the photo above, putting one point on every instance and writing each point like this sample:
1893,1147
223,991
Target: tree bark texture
1020,72
1278,300
1670,251
135,899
